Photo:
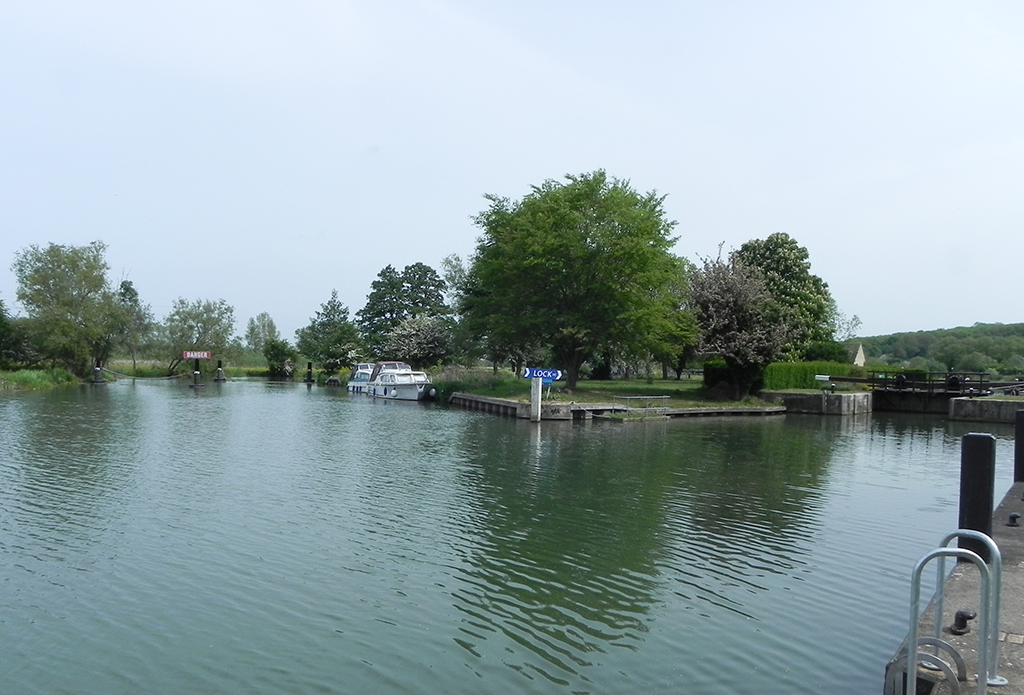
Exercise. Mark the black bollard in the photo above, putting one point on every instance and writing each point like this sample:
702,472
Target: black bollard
309,373
220,372
977,488
1018,447
195,376
97,374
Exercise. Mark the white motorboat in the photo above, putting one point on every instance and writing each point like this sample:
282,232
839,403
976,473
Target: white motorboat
360,377
398,381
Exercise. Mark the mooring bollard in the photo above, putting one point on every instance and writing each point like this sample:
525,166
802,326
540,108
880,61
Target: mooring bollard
97,374
1018,447
977,488
309,374
220,372
195,376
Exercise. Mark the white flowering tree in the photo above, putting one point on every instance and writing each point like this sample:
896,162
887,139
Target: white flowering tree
422,341
739,319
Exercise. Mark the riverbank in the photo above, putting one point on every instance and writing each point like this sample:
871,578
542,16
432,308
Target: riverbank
35,379
684,393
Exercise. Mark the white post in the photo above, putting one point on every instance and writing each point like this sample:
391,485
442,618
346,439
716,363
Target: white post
536,387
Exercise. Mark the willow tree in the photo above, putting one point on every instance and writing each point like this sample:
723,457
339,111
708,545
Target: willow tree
200,325
576,266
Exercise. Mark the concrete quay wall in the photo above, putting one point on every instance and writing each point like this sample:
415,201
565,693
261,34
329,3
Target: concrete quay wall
984,409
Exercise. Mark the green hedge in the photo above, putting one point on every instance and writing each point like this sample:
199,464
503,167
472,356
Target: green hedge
800,375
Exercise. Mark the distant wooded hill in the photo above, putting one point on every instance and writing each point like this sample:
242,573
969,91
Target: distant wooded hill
983,347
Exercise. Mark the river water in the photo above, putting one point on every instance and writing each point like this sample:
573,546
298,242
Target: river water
266,538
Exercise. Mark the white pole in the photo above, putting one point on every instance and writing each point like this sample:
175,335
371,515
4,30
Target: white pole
536,387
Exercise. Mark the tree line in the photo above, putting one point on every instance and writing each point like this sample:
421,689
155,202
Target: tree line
577,274
993,348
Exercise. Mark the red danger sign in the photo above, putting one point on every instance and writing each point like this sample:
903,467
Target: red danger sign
196,355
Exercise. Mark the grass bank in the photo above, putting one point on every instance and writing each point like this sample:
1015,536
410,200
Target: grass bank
35,379
150,369
682,393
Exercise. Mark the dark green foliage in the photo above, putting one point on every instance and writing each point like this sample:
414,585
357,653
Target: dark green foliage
281,358
13,341
715,372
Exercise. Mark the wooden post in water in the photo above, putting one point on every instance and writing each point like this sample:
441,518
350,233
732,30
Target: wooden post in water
977,488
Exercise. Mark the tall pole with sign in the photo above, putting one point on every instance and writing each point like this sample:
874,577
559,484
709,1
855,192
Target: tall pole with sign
538,377
536,389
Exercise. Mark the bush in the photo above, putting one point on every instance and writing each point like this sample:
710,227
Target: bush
779,376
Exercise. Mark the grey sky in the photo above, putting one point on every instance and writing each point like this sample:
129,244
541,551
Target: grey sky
266,153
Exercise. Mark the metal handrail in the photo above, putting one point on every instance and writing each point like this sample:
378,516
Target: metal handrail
915,599
996,562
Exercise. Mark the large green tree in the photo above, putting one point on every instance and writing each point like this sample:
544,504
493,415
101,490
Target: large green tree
394,297
786,269
73,315
579,266
330,340
201,324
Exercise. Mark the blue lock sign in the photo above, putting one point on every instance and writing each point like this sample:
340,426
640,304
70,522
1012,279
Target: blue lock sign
539,373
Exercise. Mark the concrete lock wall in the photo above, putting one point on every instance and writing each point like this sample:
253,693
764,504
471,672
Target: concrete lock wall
984,409
823,403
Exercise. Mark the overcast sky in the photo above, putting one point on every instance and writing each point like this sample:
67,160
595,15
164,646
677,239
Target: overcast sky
266,153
